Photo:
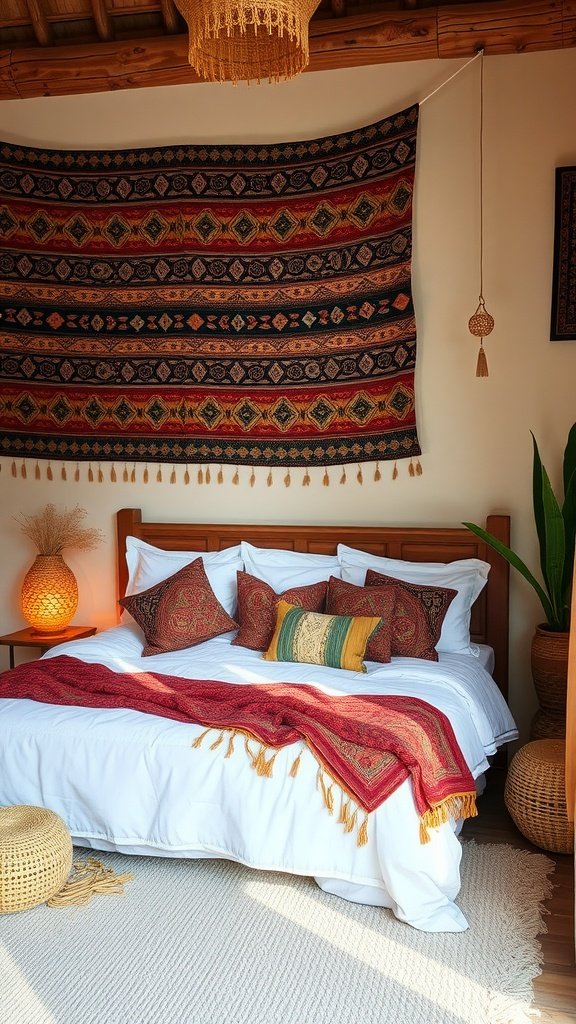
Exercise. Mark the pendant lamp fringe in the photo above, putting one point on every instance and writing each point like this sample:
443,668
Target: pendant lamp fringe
113,473
220,475
343,477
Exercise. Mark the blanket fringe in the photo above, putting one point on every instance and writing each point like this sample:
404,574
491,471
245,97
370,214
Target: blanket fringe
459,805
88,878
262,761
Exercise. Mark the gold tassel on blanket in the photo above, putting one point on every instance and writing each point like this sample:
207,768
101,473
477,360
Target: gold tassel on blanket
87,880
456,806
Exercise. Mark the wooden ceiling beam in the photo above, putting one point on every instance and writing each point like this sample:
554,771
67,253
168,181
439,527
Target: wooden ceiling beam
102,20
40,25
399,35
170,16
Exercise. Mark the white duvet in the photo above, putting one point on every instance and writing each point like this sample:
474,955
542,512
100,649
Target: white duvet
127,781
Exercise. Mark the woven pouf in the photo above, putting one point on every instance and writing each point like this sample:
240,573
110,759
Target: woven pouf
536,798
35,856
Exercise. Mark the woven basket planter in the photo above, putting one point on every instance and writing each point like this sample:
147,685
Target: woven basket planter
549,661
536,798
35,856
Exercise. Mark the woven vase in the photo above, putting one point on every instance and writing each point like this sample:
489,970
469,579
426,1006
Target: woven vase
49,594
549,660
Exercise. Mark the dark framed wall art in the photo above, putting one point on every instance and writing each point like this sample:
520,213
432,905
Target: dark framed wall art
563,322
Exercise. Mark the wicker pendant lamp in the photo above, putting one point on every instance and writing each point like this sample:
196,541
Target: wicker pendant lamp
240,41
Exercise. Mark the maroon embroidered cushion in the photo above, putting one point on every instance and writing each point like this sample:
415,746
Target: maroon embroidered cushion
418,615
179,612
348,599
257,604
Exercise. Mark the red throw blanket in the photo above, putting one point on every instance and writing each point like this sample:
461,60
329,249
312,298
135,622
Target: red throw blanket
368,744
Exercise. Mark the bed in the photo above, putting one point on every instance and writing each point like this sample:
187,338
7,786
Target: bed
143,784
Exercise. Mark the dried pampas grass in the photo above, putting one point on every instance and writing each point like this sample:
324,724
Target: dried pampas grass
51,531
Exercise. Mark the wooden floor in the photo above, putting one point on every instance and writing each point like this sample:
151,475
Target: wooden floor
555,989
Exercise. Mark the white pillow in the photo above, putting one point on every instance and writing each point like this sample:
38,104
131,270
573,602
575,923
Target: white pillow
466,575
285,569
148,565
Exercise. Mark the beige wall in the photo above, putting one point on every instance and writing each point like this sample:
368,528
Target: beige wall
474,433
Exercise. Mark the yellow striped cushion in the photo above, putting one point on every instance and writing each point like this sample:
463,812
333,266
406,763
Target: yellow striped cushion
338,641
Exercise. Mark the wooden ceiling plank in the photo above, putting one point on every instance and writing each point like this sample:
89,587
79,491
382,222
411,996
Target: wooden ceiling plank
40,25
569,23
8,89
102,20
373,39
170,16
506,27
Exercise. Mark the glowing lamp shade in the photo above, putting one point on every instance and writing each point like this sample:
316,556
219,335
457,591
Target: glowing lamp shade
49,594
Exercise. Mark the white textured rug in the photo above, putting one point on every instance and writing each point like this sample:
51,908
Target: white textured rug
212,942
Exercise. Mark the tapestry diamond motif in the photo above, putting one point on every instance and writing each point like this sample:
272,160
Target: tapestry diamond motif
209,304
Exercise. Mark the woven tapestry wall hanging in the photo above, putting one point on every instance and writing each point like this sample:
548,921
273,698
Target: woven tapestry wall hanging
210,304
563,327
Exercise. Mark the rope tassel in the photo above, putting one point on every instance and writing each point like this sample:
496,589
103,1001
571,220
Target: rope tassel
87,880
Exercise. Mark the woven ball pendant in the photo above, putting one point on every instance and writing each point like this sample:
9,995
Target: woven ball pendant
481,324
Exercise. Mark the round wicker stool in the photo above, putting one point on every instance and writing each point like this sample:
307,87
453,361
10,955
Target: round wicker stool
536,798
35,856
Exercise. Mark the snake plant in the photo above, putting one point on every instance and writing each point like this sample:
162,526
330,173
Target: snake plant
556,530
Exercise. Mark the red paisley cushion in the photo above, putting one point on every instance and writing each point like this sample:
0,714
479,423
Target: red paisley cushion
257,604
418,615
179,612
348,599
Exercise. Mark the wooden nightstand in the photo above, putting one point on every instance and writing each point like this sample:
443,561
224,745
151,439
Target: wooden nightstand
44,641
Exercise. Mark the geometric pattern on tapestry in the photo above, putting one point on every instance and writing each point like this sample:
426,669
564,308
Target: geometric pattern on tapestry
205,304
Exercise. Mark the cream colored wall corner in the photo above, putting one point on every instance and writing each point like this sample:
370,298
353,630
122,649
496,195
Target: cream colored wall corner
474,433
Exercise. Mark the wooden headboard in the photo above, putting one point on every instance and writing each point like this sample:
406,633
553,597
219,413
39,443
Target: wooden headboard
415,544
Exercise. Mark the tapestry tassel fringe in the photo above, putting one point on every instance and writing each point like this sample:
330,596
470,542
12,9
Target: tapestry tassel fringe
204,475
88,879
